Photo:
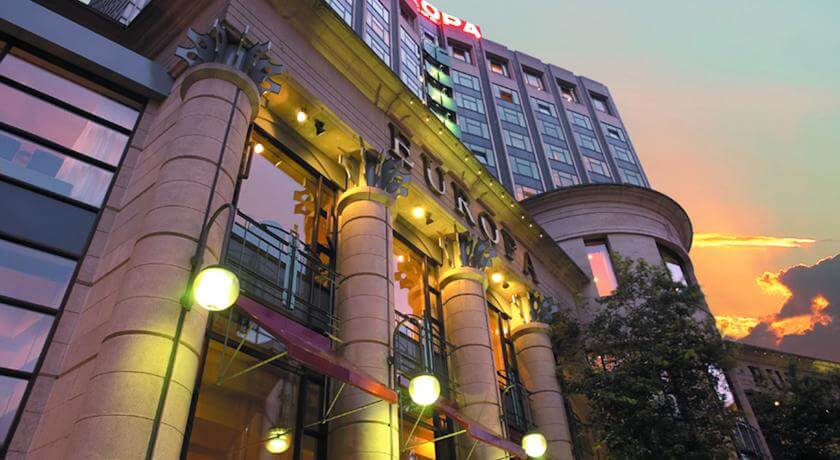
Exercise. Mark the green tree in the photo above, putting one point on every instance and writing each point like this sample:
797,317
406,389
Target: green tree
648,354
802,421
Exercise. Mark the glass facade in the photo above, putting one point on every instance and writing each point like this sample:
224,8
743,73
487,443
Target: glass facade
378,29
61,140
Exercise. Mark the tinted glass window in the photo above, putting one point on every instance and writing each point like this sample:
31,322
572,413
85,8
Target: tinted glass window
601,266
59,87
60,126
22,336
33,276
53,171
11,392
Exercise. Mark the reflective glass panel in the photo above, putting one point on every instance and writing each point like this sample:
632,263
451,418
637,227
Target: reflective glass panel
22,336
232,419
50,170
33,276
68,91
496,339
279,192
602,270
11,392
60,126
409,297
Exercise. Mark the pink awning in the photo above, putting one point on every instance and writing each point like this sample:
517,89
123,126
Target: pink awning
313,349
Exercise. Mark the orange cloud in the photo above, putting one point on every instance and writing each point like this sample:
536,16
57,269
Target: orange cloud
738,327
735,327
722,240
802,324
771,284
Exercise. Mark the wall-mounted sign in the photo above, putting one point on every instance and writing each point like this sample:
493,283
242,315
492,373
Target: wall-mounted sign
430,12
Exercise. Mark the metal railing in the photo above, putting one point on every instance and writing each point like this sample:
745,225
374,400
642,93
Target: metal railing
419,347
279,270
516,412
746,440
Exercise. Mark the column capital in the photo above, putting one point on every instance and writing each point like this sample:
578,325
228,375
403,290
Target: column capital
463,273
364,193
212,70
533,327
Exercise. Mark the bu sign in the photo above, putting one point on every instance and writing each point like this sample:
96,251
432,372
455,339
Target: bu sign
435,15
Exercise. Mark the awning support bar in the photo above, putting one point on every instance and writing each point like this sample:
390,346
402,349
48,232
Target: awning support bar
251,368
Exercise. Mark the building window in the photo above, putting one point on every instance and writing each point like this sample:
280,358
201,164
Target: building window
511,116
581,121
378,29
410,62
232,418
564,179
498,66
588,142
516,140
483,154
508,95
466,80
600,263
306,209
523,191
632,177
600,103
545,108
568,92
674,265
550,129
344,9
61,136
558,153
613,132
469,103
533,79
524,167
595,166
460,51
474,127
622,153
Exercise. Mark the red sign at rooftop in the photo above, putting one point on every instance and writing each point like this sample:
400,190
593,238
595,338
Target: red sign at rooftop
438,17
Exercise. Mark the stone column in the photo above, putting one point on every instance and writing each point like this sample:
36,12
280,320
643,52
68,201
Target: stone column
537,366
364,306
175,171
473,368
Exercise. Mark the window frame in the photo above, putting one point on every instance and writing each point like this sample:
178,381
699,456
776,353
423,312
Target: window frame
531,77
494,63
463,49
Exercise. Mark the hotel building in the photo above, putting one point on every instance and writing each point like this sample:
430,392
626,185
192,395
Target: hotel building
396,195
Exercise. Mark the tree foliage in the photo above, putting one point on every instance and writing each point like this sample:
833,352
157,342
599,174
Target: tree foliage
648,354
802,421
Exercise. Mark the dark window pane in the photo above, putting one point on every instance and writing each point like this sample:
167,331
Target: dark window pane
33,276
56,86
49,170
22,336
60,126
11,392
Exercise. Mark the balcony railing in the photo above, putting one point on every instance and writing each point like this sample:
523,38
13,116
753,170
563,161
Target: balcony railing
419,344
516,413
746,441
280,271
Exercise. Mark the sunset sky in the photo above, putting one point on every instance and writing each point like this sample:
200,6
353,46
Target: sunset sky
734,109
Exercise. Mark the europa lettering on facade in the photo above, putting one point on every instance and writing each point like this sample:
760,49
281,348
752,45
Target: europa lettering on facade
489,229
432,13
